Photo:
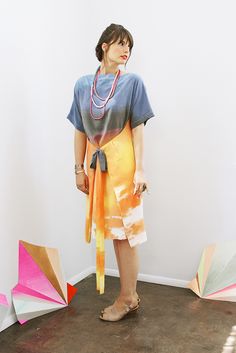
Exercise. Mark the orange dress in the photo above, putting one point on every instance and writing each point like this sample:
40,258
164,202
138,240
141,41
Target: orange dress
112,210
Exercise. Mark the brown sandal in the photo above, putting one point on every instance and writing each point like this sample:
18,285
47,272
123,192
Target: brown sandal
136,307
114,315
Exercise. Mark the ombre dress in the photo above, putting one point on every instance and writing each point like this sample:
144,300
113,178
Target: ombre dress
112,210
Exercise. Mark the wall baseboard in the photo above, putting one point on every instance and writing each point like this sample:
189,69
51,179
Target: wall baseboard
12,319
151,278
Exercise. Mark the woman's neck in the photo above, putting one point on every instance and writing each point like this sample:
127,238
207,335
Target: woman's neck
105,69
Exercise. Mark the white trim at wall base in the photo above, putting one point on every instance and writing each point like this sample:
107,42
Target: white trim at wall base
11,319
150,278
80,276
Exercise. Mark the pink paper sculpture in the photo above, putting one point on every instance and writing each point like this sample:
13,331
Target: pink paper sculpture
41,287
216,276
4,306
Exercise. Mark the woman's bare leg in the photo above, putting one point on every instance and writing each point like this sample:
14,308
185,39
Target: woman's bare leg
116,247
128,269
115,244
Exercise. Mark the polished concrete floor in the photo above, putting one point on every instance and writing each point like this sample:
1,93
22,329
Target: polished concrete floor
169,320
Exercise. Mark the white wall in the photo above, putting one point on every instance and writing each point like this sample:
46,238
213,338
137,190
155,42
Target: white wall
186,55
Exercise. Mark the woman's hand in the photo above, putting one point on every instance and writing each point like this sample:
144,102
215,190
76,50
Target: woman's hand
82,182
139,182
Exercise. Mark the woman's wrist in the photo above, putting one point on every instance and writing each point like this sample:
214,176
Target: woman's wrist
79,168
139,169
139,164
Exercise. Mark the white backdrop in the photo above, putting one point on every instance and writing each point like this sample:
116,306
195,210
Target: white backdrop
185,53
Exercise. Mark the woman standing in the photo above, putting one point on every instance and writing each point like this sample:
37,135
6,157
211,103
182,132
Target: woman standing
109,110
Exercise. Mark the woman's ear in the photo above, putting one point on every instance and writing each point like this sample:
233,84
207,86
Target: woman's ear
104,46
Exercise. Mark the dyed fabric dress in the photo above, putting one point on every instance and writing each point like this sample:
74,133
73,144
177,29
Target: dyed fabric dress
112,210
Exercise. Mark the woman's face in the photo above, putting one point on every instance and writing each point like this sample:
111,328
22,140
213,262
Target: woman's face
118,52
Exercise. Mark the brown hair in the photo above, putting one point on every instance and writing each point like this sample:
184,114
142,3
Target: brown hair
110,35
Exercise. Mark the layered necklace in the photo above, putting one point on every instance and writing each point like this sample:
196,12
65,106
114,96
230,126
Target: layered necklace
105,100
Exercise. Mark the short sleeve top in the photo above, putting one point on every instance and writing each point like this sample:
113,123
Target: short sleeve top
130,101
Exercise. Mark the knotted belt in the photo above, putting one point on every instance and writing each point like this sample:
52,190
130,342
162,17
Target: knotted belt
102,159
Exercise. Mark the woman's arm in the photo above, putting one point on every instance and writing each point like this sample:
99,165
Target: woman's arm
80,144
137,134
138,143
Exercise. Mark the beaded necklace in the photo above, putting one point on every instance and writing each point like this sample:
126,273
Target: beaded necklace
94,91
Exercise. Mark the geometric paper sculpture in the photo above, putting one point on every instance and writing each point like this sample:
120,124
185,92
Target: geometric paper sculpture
4,306
41,287
216,275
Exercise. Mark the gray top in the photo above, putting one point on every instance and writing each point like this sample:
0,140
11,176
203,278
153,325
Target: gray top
130,101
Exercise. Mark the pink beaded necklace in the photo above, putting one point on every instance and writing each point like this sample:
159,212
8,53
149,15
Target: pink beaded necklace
94,91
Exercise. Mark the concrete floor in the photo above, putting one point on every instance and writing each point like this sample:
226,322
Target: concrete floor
169,320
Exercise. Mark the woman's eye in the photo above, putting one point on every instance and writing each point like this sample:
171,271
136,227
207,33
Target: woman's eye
123,43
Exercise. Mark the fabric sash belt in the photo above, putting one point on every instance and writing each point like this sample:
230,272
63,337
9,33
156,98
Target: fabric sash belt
102,159
99,184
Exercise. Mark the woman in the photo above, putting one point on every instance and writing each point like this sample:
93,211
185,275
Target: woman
109,111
